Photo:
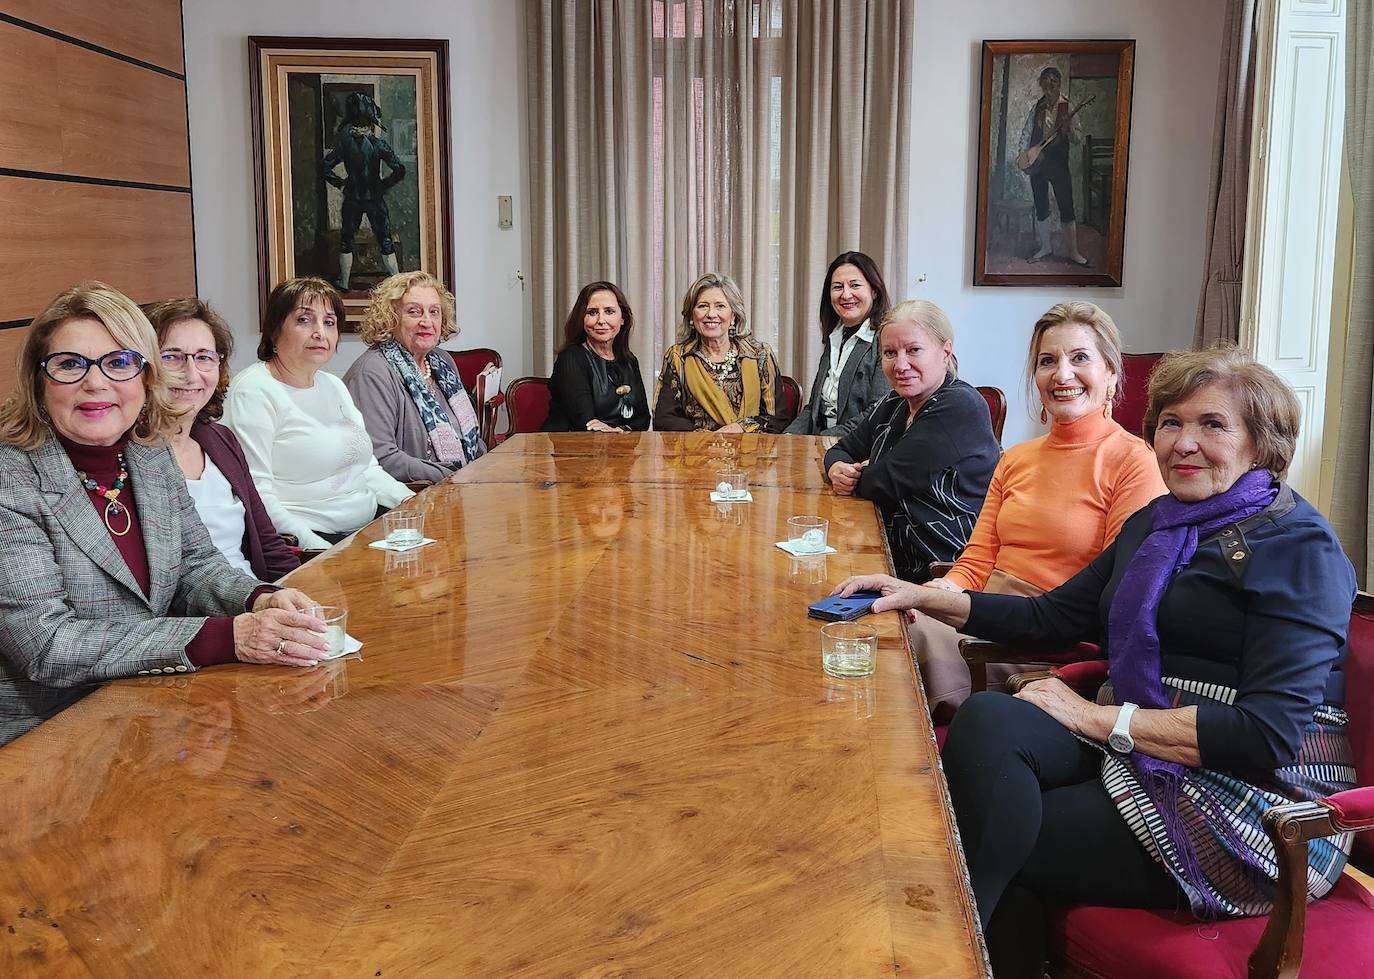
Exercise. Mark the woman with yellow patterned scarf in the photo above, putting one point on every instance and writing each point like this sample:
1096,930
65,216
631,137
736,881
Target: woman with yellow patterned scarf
717,377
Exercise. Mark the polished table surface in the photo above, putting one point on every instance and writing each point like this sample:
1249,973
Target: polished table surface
587,734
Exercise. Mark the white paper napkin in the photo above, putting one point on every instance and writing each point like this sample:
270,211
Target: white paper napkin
350,647
719,497
791,548
382,545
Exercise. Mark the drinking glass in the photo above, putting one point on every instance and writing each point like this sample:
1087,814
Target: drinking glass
404,528
732,483
808,534
335,621
848,649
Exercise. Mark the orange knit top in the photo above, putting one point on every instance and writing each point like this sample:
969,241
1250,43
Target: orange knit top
1055,502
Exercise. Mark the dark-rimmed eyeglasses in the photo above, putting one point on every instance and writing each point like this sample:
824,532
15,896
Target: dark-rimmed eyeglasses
66,367
204,359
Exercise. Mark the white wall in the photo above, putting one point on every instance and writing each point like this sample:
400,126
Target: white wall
486,73
1176,72
1177,45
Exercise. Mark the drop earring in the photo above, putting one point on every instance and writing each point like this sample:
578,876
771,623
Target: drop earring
1107,404
1044,415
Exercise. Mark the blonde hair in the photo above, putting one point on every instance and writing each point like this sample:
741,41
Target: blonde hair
1078,313
1268,407
928,317
381,318
23,421
713,280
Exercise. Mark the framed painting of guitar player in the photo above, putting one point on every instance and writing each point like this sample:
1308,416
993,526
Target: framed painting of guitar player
1053,147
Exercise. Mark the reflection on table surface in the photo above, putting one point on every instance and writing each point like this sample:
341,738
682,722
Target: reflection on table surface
587,734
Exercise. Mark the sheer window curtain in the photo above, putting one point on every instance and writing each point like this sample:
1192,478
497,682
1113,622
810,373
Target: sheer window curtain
674,137
1351,501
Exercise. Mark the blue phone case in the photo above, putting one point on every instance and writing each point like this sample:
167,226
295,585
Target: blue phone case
837,609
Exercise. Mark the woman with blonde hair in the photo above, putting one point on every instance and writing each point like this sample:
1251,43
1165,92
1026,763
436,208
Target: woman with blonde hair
925,453
717,377
108,571
1054,502
418,414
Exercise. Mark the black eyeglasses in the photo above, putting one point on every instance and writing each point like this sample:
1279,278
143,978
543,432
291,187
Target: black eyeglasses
206,359
66,367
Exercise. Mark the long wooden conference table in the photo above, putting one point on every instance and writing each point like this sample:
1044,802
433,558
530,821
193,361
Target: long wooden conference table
588,734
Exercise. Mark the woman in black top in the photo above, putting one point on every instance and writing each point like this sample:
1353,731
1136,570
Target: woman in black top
596,386
925,453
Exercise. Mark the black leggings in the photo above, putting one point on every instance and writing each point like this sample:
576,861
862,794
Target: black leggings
1037,824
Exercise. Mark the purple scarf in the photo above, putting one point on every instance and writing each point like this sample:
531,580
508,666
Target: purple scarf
1132,623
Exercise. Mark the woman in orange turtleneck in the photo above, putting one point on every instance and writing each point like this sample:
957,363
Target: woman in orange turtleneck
1056,501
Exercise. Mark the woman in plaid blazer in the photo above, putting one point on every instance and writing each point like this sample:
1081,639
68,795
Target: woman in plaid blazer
108,571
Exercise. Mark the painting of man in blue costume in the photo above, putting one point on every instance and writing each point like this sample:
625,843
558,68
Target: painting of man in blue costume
354,168
362,152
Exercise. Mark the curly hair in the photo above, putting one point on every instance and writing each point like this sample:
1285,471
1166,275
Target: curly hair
166,314
383,313
23,421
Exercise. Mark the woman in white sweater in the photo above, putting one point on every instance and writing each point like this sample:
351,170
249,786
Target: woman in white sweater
307,447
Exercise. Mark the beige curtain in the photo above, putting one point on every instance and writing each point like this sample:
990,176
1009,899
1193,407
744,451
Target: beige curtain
1218,312
674,137
1351,500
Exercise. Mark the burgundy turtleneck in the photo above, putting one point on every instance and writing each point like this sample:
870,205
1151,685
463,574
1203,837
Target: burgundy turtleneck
214,643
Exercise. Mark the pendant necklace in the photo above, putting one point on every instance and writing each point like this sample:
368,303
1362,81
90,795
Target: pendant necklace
113,508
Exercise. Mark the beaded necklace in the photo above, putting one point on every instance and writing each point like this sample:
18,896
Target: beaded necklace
113,508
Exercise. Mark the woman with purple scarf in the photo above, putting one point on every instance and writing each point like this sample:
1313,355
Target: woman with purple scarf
418,414
1222,608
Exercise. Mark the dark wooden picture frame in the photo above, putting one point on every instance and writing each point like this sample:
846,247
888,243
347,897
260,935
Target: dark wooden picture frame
1028,152
339,125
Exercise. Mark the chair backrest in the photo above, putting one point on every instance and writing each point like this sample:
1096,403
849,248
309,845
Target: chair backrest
791,398
472,362
527,404
1129,412
1359,704
997,408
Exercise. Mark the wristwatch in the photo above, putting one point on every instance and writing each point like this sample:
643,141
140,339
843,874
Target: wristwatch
1120,739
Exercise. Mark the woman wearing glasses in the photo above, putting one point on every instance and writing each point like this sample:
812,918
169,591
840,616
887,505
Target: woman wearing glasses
196,344
596,386
108,571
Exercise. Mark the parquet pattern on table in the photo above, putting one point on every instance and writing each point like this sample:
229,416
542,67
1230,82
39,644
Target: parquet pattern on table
588,734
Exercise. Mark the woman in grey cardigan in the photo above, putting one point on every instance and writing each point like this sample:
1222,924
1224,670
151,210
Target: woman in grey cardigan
417,412
849,379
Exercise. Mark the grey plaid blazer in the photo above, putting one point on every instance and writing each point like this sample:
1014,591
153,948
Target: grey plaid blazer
71,613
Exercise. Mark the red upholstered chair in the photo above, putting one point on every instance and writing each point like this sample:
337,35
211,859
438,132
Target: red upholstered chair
1129,412
471,363
527,404
1332,937
997,408
791,398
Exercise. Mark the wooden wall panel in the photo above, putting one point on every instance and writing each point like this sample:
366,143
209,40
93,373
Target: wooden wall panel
58,233
149,30
74,111
10,341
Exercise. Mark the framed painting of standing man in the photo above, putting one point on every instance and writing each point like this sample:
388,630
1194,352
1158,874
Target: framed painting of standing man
351,156
1053,147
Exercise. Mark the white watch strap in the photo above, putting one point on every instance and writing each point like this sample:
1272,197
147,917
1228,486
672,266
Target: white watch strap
1122,727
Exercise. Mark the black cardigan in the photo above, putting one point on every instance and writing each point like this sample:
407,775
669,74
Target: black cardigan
929,478
1271,624
573,398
